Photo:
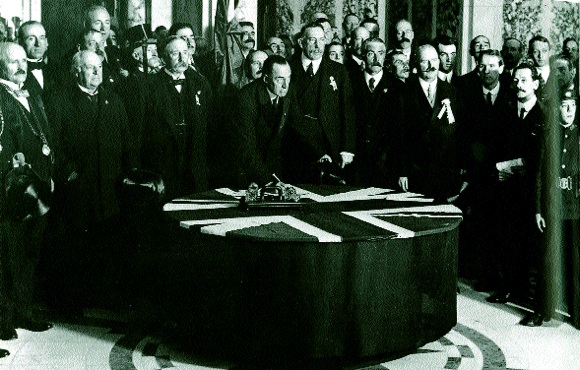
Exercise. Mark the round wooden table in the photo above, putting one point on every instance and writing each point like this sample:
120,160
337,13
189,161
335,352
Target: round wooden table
352,273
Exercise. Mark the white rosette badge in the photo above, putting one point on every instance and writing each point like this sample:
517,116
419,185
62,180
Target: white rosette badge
446,108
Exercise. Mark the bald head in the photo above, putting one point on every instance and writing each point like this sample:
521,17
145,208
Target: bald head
428,60
13,64
98,19
404,33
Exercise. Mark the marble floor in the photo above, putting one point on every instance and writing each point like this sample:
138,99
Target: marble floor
487,336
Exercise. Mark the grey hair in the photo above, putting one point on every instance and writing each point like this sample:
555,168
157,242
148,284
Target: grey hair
77,60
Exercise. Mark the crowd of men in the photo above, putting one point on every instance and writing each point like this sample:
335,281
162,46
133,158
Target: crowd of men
494,141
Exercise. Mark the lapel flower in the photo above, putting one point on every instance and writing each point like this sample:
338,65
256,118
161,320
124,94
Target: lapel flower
385,90
333,83
197,101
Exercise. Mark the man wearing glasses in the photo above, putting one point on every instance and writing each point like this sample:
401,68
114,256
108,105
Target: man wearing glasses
325,101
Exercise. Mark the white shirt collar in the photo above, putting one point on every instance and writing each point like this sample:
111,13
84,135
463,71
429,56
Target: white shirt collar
88,92
445,76
527,105
493,91
180,77
544,71
12,87
377,77
315,63
425,85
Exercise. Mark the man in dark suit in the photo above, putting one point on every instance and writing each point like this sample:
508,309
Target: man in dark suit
476,46
175,128
97,18
377,107
354,62
430,127
539,51
135,91
512,52
24,129
97,151
447,57
350,22
325,100
263,125
517,157
404,38
41,75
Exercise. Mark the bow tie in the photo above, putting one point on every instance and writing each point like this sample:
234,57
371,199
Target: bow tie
35,65
178,82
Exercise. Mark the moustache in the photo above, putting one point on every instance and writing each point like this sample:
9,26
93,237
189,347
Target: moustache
376,64
405,39
21,72
250,40
432,69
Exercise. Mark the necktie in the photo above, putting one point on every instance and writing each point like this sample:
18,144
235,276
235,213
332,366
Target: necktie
431,94
178,82
275,102
310,70
35,65
372,84
488,99
522,113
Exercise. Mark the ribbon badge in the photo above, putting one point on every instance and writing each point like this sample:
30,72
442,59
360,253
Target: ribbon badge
446,108
333,83
197,101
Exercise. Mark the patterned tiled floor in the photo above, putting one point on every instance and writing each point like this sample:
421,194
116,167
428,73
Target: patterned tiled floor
486,337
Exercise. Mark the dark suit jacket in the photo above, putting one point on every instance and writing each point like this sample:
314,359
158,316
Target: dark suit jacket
482,124
260,131
96,144
182,162
21,240
521,139
17,136
135,94
327,99
468,80
378,135
431,157
50,75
